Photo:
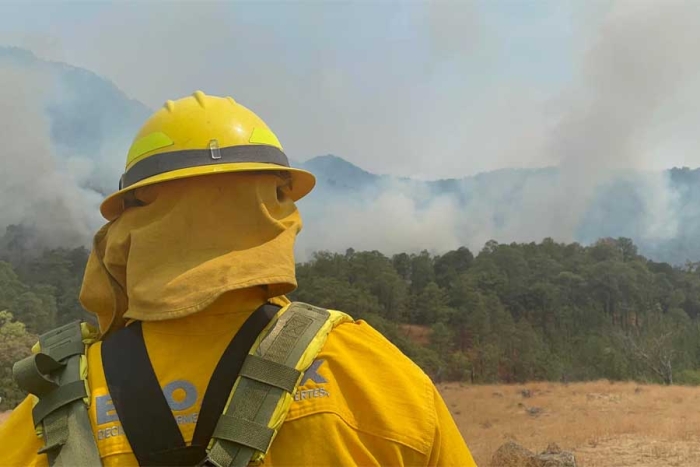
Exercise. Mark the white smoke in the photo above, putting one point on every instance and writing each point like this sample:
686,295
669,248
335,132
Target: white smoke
641,57
632,103
392,222
37,190
613,119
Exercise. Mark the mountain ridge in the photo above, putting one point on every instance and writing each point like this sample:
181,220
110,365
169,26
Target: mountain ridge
92,123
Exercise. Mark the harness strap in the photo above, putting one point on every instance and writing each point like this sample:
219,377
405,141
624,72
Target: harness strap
58,398
34,374
244,432
271,373
243,429
142,409
55,376
222,380
137,396
55,429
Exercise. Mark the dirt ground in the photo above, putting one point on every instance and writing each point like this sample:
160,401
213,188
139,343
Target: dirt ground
603,424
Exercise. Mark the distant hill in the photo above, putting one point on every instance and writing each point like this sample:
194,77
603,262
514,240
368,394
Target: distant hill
89,116
92,123
619,208
338,173
82,104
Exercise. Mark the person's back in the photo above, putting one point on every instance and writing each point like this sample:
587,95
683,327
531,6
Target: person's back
189,261
361,403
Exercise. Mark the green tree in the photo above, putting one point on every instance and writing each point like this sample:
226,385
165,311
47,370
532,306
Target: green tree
10,285
422,271
441,338
375,273
36,309
450,265
15,344
430,305
402,265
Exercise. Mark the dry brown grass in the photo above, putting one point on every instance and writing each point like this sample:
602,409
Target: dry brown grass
605,424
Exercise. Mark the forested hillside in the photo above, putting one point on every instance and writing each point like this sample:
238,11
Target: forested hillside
510,313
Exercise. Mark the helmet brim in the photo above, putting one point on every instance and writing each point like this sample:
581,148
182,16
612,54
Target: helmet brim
302,182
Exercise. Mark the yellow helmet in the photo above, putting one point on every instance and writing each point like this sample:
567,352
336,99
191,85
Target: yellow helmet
200,135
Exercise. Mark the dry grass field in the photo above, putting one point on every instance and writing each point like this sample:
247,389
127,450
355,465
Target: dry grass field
605,424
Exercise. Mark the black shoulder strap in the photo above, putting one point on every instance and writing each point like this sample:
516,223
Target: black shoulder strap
227,371
142,408
137,396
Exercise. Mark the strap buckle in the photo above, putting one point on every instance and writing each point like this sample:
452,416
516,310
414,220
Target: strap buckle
208,462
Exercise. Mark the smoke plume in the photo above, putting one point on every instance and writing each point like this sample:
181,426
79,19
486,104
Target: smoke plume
423,97
37,190
615,119
641,57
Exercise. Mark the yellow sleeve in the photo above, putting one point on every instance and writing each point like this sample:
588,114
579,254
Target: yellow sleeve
18,440
449,448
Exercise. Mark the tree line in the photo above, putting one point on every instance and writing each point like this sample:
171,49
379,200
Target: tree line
522,312
511,313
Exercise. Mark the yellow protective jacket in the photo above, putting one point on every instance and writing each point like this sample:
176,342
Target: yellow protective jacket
362,402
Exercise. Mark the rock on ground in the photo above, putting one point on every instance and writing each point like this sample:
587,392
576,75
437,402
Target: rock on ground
511,454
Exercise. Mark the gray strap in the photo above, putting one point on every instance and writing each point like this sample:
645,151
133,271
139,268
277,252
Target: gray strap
70,441
61,396
169,161
270,372
254,401
63,342
244,432
68,349
55,433
33,374
55,375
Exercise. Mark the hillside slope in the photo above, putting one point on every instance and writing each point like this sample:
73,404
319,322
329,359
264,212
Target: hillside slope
91,123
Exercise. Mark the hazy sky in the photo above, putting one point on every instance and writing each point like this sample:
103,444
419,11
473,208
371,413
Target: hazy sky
424,89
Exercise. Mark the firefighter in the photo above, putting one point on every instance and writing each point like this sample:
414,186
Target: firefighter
198,357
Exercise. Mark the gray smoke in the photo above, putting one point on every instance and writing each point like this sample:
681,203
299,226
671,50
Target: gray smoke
623,114
633,103
643,55
392,221
37,190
